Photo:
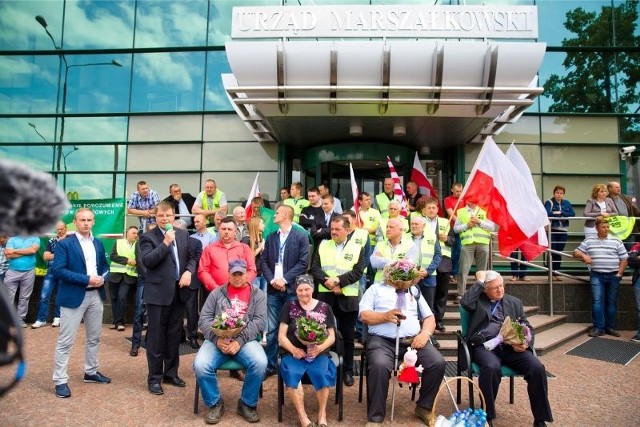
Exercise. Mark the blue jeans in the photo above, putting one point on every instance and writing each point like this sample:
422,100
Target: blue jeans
209,358
49,283
558,242
260,282
138,317
604,300
518,270
636,292
275,302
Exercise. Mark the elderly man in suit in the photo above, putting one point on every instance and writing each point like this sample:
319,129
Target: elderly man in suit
170,259
285,257
80,267
488,306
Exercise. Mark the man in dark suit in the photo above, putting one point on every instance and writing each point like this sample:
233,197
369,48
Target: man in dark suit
488,306
338,265
182,203
80,267
285,257
170,260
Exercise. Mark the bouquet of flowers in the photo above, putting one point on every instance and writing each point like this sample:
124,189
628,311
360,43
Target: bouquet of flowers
400,274
512,333
227,324
311,330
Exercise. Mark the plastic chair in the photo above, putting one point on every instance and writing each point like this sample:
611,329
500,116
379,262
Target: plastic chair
229,365
472,367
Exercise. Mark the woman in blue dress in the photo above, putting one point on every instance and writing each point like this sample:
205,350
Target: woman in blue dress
313,360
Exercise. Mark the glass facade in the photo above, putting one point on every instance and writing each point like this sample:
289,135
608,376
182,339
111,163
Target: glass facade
104,93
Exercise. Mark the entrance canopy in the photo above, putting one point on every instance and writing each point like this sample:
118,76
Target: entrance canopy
420,93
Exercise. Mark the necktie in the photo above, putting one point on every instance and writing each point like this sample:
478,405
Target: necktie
174,253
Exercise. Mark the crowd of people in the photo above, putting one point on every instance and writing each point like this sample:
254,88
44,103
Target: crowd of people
322,260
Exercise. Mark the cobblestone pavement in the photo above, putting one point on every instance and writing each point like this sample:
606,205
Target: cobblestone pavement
583,392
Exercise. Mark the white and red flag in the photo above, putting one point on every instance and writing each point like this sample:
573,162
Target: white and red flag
508,198
255,192
424,186
355,193
537,243
397,189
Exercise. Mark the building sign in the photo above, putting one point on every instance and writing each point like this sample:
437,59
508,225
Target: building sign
411,21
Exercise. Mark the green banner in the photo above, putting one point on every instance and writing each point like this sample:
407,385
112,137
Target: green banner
109,226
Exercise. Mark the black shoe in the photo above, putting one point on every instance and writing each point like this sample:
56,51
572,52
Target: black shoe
489,423
538,423
249,414
348,379
215,413
134,351
612,332
174,381
155,388
193,342
440,327
593,332
435,342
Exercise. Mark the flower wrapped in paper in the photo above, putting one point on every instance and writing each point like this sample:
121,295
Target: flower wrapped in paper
401,274
311,330
227,324
512,332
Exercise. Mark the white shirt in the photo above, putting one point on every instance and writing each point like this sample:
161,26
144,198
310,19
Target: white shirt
89,252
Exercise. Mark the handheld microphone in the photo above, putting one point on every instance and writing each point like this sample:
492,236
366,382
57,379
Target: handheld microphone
168,227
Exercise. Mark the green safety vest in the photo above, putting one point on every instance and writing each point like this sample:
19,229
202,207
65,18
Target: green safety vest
401,251
216,202
383,226
383,204
476,234
443,228
621,226
370,218
427,248
297,205
129,251
335,267
360,236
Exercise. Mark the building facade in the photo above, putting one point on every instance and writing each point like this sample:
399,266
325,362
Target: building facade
103,94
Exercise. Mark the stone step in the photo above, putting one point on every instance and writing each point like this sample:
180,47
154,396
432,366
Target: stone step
453,316
558,335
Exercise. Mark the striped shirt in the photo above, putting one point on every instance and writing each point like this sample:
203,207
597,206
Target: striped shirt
605,254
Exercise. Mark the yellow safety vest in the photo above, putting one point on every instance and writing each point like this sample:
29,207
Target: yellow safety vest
297,205
443,227
383,204
370,218
360,236
383,226
335,267
621,226
400,252
476,234
427,248
216,202
129,251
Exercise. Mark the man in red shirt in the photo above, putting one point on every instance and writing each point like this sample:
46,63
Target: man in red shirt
450,203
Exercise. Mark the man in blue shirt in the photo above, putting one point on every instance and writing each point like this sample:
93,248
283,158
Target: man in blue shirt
21,275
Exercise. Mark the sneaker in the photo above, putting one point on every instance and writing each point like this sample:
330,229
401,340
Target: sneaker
38,324
113,326
636,338
120,328
56,322
424,414
612,332
96,378
62,390
593,332
249,414
215,413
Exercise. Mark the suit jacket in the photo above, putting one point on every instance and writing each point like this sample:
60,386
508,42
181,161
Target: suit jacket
70,269
160,284
188,199
295,257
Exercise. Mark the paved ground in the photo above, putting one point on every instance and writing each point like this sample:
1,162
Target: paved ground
583,392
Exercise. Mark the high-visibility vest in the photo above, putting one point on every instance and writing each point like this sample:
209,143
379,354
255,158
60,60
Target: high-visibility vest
427,248
370,218
476,234
621,226
400,252
215,202
382,200
335,266
383,226
297,205
360,236
443,228
129,251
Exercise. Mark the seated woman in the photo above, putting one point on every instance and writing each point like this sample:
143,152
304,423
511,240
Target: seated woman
314,361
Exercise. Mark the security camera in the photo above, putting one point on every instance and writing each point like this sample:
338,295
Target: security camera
627,150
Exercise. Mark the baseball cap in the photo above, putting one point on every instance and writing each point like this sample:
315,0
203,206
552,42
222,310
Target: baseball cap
237,266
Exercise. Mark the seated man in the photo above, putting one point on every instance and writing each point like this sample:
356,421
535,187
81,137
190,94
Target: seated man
250,303
488,306
416,325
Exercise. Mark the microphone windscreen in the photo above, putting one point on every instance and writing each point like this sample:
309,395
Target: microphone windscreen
30,201
168,227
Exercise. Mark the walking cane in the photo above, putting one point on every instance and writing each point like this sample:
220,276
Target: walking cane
395,369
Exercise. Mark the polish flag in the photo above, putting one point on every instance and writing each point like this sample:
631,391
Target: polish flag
355,193
508,198
255,192
397,189
537,243
424,186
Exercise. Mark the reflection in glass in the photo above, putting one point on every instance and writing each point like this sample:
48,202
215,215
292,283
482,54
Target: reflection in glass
95,129
160,23
95,185
28,84
168,81
98,24
220,17
21,32
554,25
216,98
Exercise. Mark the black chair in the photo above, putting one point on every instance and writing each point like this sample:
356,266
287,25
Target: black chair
471,367
336,352
229,365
